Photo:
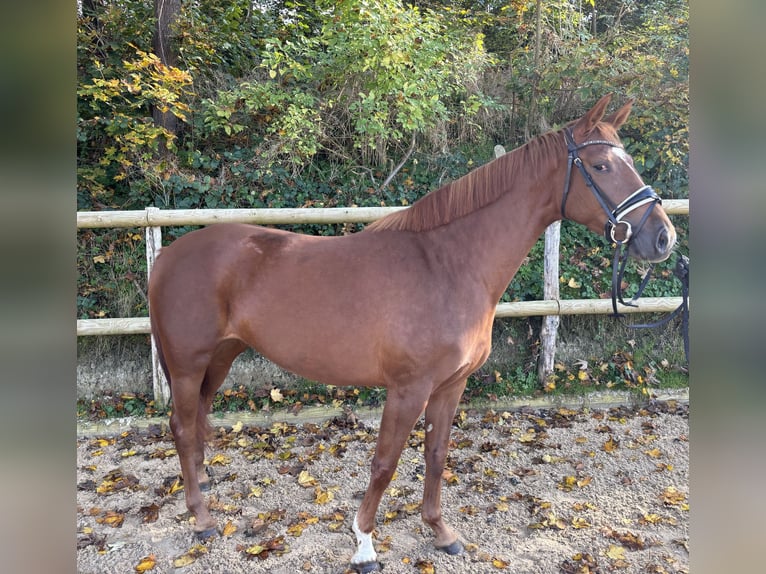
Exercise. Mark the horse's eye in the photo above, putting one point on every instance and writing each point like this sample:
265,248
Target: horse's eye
600,167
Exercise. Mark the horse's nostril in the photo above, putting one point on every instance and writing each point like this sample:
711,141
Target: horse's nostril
662,241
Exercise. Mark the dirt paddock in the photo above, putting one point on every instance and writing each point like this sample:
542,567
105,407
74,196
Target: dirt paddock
532,491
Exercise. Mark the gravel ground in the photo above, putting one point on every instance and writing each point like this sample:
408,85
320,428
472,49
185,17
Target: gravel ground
531,491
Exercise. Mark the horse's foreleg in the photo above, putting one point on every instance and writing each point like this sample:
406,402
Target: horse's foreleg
439,415
399,416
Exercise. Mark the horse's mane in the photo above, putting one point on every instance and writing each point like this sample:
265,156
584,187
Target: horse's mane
476,189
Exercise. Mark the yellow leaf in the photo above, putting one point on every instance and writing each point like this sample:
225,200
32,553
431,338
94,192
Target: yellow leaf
276,396
184,560
580,523
99,259
113,519
654,453
616,552
322,496
229,529
574,284
671,496
220,460
255,491
499,564
237,426
306,480
611,445
146,563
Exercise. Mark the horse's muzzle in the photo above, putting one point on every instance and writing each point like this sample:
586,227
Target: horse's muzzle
654,243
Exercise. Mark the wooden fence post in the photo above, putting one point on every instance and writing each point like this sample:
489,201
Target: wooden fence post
550,292
153,247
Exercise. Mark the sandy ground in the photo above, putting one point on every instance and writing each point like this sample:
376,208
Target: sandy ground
535,491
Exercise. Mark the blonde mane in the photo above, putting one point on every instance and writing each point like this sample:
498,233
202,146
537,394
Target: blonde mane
476,189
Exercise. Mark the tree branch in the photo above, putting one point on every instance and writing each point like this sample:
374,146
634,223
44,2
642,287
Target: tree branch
401,163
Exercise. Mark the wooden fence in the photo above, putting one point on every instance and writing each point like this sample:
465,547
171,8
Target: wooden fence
153,219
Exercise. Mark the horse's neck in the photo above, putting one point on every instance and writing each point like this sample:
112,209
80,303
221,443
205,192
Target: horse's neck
495,239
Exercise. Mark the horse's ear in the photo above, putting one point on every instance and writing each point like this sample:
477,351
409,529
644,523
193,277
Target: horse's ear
585,124
618,118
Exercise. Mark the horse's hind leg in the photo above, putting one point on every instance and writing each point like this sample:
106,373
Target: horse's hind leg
439,415
184,424
214,377
399,416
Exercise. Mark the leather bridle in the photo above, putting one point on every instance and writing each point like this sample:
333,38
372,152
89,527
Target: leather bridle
615,216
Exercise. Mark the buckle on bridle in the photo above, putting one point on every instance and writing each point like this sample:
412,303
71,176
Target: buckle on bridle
613,228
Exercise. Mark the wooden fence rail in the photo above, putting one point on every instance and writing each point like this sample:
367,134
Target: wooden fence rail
153,219
140,325
265,216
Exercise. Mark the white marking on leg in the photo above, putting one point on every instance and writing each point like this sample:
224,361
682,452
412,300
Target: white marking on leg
430,427
364,551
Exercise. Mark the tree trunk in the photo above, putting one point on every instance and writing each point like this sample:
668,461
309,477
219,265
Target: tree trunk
166,12
532,114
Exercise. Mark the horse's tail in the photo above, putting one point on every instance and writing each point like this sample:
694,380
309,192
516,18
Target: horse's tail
161,358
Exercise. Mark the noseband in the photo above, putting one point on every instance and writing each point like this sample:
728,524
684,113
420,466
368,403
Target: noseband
615,216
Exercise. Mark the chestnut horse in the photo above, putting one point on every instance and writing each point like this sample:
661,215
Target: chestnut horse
406,304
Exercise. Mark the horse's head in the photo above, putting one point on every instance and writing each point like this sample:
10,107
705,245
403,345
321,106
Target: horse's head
611,197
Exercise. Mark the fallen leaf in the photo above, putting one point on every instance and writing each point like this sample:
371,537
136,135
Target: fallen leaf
322,496
190,556
220,460
111,518
306,480
149,513
229,528
425,566
611,445
276,396
500,564
176,486
146,563
580,523
255,550
672,497
616,552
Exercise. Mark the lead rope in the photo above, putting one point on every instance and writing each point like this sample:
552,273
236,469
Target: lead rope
681,271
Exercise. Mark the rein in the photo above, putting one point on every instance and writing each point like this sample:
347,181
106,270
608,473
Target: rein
615,218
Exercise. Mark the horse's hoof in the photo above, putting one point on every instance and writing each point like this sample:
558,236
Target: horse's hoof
366,567
207,534
452,549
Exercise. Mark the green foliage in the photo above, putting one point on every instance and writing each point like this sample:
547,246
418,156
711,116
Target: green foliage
115,110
